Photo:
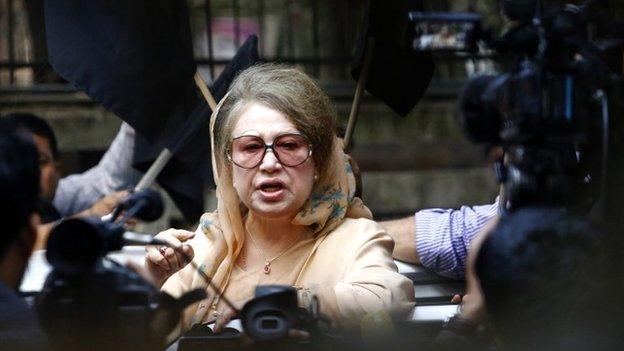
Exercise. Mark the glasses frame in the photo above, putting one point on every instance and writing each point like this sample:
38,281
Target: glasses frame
269,146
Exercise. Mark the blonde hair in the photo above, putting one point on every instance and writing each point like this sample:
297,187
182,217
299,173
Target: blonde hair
289,91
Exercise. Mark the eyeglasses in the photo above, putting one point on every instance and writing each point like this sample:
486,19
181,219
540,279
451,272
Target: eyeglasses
291,150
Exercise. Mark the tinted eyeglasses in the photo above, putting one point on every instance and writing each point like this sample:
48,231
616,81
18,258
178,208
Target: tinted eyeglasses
291,150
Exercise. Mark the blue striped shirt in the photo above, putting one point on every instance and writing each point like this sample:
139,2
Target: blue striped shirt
444,235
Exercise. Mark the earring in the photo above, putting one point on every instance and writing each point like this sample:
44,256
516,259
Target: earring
315,177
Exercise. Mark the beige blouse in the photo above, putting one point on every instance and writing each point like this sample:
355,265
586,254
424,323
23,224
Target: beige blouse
242,283
351,270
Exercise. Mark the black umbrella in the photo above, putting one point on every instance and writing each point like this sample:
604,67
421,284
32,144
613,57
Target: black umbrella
397,75
386,67
135,57
193,141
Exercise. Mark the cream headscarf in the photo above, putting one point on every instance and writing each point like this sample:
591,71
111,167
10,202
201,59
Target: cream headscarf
332,199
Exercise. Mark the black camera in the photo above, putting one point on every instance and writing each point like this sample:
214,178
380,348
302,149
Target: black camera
266,319
555,111
90,302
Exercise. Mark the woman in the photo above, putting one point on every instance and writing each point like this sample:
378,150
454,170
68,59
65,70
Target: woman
286,210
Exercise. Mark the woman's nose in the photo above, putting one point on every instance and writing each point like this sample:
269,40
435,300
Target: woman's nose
270,161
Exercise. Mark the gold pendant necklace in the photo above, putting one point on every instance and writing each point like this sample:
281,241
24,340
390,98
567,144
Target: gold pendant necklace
267,262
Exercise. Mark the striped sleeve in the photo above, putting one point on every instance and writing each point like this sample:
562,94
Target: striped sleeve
443,236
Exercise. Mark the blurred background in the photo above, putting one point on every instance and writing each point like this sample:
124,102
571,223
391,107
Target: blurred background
408,163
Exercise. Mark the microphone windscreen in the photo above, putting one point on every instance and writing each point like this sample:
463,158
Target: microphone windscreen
147,203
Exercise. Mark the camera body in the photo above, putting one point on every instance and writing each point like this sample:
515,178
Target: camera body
90,302
109,308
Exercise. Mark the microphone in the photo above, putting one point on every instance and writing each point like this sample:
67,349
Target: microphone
146,205
75,244
133,238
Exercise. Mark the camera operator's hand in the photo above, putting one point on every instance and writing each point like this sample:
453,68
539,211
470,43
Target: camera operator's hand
473,303
105,205
163,261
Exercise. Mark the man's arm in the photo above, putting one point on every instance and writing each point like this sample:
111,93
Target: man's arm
439,239
403,231
114,172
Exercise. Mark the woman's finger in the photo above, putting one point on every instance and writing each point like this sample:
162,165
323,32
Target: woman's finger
183,235
179,257
224,318
163,261
156,258
175,237
172,259
169,237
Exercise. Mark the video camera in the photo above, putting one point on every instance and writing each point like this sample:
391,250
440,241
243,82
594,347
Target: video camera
556,111
90,302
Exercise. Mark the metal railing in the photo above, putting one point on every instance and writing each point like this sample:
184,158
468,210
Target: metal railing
313,60
322,44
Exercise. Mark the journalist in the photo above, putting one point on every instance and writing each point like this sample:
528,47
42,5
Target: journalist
19,189
543,279
95,192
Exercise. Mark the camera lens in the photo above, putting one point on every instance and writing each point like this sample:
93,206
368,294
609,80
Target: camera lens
479,108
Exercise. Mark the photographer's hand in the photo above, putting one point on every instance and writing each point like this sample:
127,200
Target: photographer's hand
473,303
105,205
164,261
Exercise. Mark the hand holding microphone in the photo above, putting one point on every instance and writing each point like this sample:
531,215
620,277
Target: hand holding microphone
163,261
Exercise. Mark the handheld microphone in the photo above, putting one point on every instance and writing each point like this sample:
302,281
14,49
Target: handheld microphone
75,244
146,205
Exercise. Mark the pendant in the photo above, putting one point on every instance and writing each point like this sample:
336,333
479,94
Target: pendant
267,267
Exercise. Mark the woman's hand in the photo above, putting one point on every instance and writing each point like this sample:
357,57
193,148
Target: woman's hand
163,261
223,319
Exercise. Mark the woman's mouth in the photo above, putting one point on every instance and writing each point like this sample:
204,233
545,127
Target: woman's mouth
271,187
272,190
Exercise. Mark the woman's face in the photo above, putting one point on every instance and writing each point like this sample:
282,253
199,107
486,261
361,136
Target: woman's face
271,189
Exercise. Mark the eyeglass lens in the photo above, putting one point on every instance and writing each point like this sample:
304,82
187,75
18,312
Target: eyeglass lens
290,149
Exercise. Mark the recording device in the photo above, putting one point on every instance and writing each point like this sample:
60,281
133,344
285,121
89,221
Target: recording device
89,302
555,111
76,244
275,310
271,314
267,320
146,205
